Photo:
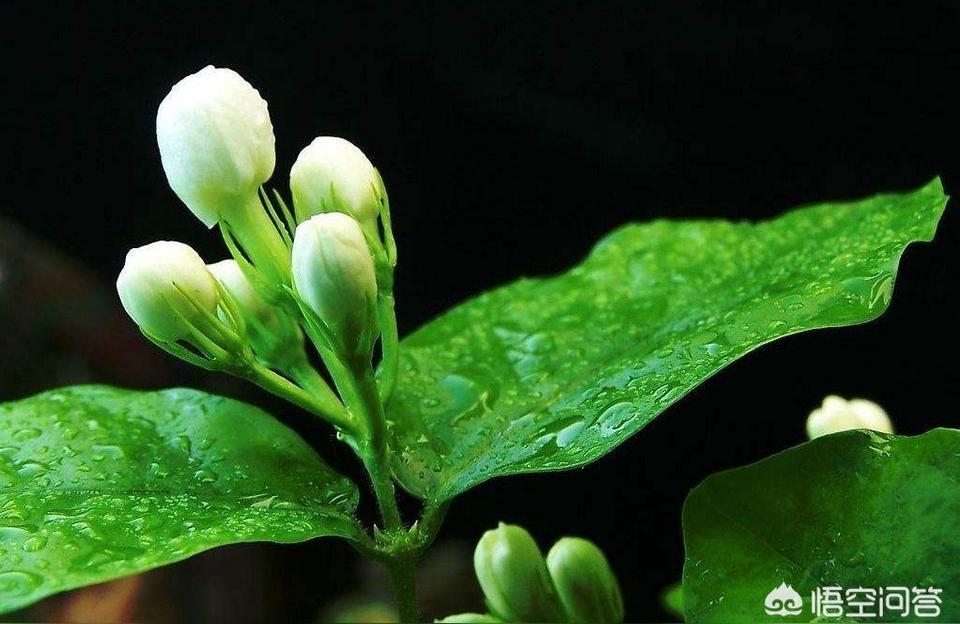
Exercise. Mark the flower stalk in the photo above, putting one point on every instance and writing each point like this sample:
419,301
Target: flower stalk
375,450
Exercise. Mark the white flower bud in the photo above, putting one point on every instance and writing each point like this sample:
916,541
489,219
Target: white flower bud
271,332
470,618
333,175
216,141
166,288
333,274
838,414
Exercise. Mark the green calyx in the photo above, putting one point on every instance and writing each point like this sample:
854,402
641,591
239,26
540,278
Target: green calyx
273,334
259,240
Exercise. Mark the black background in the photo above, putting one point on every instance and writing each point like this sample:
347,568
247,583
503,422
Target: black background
511,136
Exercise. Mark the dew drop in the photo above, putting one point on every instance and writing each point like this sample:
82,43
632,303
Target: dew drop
614,418
22,435
18,583
34,543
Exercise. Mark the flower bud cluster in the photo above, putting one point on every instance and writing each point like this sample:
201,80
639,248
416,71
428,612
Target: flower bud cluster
319,268
573,584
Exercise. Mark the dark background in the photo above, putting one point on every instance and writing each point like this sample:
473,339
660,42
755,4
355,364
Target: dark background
511,136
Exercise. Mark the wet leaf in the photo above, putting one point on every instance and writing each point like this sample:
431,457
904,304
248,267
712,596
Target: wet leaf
97,483
854,509
549,374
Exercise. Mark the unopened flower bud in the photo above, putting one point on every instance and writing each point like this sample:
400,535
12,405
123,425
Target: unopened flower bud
514,577
470,618
333,175
216,141
838,414
274,336
586,585
333,274
166,288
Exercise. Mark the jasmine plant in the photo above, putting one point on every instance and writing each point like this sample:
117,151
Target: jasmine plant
540,375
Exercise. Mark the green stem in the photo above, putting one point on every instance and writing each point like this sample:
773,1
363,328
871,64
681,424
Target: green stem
280,386
375,453
310,380
403,573
383,489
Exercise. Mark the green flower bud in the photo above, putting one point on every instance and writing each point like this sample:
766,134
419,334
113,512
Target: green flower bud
167,290
333,275
272,334
587,587
838,414
514,577
216,142
333,175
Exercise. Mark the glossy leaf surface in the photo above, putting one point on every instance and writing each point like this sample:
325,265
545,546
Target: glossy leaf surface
854,509
548,374
97,482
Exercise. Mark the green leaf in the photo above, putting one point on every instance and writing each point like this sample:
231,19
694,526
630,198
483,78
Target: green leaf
854,509
549,374
97,483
